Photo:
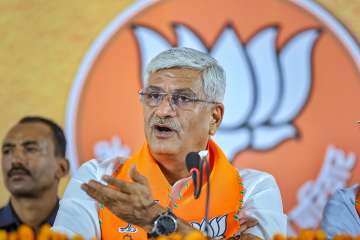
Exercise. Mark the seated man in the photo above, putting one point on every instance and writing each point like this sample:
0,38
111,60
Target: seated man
342,212
151,193
33,162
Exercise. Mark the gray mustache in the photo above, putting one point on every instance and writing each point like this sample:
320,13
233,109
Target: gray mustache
170,123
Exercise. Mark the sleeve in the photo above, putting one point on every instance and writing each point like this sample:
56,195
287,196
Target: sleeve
78,212
339,215
262,201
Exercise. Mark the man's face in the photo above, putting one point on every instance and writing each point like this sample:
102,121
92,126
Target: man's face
170,130
29,164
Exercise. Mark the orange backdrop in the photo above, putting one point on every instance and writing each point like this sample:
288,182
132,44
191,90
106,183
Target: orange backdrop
44,66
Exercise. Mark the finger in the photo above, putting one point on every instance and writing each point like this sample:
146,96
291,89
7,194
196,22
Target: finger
241,217
92,192
245,218
242,228
137,177
123,186
95,190
103,193
242,221
251,222
241,214
246,223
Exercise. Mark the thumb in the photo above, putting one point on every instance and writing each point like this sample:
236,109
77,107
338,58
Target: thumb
137,177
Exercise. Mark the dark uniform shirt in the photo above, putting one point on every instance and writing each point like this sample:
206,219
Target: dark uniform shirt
9,220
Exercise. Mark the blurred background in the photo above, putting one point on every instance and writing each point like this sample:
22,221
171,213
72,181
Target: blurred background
80,63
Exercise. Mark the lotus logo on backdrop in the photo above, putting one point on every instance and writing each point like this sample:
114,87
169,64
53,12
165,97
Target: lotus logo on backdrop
266,87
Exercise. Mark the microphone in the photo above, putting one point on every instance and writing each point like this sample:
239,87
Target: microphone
192,160
195,162
193,166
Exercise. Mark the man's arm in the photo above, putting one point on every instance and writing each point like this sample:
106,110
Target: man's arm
339,215
133,202
78,212
130,201
262,201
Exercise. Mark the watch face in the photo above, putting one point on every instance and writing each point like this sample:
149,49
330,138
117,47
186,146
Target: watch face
166,225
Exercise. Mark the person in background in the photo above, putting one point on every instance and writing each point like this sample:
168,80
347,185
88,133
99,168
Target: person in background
342,212
33,162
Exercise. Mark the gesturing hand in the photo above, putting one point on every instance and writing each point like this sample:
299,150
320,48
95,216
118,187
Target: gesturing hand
130,201
246,222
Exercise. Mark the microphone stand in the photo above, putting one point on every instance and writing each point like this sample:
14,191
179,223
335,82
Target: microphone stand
207,199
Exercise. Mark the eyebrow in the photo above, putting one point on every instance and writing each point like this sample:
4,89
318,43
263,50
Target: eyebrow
154,88
26,143
30,142
7,145
187,91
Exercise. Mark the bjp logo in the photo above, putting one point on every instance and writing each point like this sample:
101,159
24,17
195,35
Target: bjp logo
293,86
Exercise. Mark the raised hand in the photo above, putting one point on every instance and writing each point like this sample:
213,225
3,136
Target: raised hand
130,201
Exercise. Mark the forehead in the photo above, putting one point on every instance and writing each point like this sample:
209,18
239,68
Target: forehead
29,131
176,78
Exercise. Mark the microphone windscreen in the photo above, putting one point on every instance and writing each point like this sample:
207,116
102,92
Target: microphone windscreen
192,160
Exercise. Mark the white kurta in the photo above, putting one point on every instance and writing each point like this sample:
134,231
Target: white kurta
78,213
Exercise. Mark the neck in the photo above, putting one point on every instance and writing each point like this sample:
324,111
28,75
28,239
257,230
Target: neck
33,211
173,167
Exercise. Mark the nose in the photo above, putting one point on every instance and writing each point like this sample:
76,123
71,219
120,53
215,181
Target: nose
18,156
166,108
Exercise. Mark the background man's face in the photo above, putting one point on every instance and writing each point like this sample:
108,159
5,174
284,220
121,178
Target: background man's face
180,131
28,160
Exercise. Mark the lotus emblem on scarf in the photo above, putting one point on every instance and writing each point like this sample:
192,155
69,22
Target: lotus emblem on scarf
217,227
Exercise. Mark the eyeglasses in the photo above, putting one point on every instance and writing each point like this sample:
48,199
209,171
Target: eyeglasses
181,101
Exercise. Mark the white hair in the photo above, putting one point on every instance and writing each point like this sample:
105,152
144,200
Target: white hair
213,75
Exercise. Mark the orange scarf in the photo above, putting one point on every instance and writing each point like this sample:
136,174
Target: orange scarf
225,200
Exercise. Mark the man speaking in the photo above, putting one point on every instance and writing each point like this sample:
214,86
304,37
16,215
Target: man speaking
152,192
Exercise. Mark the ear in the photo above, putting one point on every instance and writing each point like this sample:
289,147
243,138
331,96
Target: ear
63,168
217,114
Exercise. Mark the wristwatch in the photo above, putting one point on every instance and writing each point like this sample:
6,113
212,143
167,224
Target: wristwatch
164,224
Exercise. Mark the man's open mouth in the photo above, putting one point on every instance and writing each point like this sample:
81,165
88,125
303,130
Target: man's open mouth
163,128
163,131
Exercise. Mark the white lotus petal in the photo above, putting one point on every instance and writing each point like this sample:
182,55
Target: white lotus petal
222,226
239,95
202,226
187,38
265,138
295,60
263,57
214,227
150,44
195,225
232,142
210,231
